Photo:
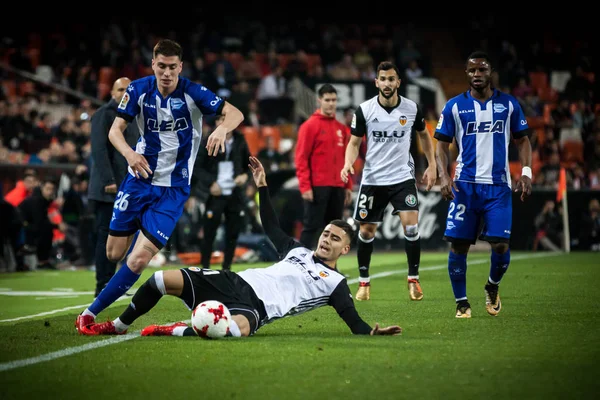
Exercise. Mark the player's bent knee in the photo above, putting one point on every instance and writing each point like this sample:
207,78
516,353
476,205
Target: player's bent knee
115,253
243,325
116,248
411,232
460,248
137,261
172,281
367,231
500,247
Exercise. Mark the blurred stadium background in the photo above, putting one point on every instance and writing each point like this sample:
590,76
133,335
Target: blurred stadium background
55,74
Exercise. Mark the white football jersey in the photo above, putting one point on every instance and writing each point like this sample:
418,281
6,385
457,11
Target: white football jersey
294,285
389,130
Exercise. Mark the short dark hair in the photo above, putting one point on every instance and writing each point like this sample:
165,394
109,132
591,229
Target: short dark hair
50,180
30,172
479,54
386,66
346,227
326,88
168,48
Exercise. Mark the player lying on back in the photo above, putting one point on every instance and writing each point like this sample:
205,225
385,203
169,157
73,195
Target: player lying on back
303,280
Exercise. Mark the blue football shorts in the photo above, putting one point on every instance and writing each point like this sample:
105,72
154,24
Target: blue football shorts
479,209
154,210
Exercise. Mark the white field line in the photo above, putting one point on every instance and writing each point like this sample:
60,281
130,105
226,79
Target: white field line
81,307
474,262
118,339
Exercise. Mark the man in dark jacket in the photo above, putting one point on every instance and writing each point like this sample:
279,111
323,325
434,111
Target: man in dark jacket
109,168
38,227
224,178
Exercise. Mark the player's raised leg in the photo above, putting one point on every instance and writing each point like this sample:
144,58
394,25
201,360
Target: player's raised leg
125,278
164,207
145,298
129,203
116,244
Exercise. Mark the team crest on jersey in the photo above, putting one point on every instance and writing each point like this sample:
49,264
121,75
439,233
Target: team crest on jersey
323,274
176,104
124,101
498,108
440,122
363,213
209,214
195,269
403,120
411,200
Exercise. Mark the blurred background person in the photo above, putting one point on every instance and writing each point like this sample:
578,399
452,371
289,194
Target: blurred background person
38,226
270,156
549,228
23,188
75,213
590,230
108,169
224,177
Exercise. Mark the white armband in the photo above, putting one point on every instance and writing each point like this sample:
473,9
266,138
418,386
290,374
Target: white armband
527,172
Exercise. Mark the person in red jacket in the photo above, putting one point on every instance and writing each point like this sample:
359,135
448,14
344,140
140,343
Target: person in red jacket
320,152
23,188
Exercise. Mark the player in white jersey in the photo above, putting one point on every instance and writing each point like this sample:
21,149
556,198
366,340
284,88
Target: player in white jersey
303,280
167,110
388,120
482,120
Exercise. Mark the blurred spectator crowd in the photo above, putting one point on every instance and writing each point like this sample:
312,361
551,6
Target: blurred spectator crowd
252,64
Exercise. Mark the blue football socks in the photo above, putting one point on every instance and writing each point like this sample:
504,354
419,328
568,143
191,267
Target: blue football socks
118,285
457,269
498,266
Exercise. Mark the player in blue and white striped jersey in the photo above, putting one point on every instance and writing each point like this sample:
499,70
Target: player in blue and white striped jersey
167,110
482,121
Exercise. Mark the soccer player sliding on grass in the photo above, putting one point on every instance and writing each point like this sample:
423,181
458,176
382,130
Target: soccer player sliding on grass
303,280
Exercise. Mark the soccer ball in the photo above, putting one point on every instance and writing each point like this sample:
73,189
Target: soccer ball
211,319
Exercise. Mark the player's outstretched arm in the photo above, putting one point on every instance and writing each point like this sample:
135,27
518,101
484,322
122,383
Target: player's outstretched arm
282,242
388,330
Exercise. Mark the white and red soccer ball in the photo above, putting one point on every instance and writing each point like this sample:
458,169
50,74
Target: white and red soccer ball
211,319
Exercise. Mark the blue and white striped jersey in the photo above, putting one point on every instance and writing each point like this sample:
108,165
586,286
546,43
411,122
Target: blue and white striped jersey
483,132
170,128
